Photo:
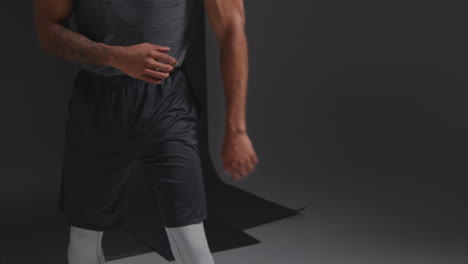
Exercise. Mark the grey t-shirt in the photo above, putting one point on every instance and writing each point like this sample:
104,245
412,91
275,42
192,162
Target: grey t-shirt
129,22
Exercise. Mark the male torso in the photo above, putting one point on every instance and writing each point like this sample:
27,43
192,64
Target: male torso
129,22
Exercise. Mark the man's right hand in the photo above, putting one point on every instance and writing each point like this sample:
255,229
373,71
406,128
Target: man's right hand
141,61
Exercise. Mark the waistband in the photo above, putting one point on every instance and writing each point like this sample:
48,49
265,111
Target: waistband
120,79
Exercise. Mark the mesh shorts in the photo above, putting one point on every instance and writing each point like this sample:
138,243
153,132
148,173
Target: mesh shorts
116,122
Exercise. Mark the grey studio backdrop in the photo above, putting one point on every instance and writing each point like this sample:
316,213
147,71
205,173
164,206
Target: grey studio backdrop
356,108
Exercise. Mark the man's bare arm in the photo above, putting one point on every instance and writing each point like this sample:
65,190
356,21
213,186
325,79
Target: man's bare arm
227,19
144,61
56,38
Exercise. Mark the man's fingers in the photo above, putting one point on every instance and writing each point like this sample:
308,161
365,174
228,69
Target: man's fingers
156,74
168,59
152,64
239,170
254,158
159,47
252,161
249,166
230,169
243,168
236,175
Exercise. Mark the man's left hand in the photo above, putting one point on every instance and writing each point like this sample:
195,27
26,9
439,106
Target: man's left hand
239,157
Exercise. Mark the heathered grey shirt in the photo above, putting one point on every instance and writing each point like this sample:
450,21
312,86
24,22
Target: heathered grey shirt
129,22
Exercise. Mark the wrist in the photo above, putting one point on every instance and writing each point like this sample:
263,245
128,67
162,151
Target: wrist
237,130
113,54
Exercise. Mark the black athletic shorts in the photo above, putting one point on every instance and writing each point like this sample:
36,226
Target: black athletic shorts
116,122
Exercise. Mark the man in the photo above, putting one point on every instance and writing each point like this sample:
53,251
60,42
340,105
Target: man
132,105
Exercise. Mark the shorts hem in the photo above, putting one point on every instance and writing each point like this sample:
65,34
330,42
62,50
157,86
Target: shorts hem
185,223
117,226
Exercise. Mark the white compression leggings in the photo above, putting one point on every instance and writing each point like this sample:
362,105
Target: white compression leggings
188,245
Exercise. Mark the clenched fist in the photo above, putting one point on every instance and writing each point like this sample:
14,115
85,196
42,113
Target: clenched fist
239,156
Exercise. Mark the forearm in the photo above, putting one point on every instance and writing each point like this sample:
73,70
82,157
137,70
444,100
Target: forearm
73,46
234,69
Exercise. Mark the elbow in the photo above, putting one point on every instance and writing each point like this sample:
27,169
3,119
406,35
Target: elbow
233,28
43,33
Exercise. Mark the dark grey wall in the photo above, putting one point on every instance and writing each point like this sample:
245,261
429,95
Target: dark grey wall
33,97
358,109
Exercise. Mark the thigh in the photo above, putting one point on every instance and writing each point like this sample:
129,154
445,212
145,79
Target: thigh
98,156
94,179
174,171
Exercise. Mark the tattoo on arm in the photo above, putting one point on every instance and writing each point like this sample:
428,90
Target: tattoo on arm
74,46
